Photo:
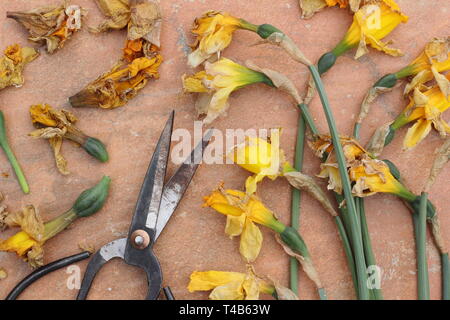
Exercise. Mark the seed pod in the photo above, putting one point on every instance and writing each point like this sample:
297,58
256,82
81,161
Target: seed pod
96,148
92,200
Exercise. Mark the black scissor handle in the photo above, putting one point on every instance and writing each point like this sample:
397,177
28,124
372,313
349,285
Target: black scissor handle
42,271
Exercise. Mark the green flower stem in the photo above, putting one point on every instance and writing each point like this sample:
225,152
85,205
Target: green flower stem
422,265
367,242
55,226
348,250
445,277
308,118
296,196
368,251
363,292
11,157
340,225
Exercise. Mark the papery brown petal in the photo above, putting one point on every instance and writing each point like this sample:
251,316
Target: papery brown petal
442,157
279,80
29,220
61,163
146,21
306,183
3,214
306,262
283,41
370,97
35,257
283,293
437,234
377,142
310,7
118,13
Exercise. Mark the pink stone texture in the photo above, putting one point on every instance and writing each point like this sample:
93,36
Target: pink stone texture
194,238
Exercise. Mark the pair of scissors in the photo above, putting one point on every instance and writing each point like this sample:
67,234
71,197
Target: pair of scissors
155,205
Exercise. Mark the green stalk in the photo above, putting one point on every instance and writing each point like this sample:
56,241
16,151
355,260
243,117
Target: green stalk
296,196
348,251
308,118
367,242
445,277
340,225
370,257
11,157
422,266
363,292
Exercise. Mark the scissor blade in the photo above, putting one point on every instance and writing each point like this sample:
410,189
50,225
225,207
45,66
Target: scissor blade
178,184
147,206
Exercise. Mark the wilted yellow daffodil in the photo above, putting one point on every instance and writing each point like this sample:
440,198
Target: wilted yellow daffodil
116,87
323,146
310,7
242,214
368,174
217,82
213,31
267,159
50,25
371,176
236,285
55,125
140,61
12,64
371,23
428,65
28,243
425,109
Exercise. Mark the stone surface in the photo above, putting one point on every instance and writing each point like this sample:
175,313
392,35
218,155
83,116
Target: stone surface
194,238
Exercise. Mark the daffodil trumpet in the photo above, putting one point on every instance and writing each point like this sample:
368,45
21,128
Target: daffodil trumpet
244,213
265,158
215,84
56,125
4,144
429,65
371,23
225,285
425,110
28,243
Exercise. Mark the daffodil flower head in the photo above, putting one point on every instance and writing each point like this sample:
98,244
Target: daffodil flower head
242,213
429,65
371,23
372,176
425,110
230,285
323,147
214,31
217,82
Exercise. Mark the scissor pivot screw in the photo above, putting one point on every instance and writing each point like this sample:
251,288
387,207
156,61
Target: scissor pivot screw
140,239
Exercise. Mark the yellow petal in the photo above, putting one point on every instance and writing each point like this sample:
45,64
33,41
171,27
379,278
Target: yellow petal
219,202
251,241
20,243
208,280
416,133
235,225
228,291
